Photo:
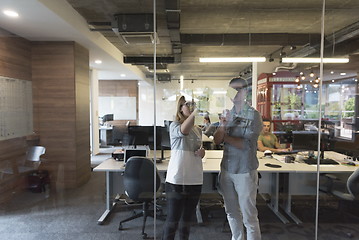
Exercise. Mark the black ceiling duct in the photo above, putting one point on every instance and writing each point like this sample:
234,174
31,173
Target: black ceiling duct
163,77
147,60
133,23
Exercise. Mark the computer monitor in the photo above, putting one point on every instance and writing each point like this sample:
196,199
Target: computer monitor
144,135
134,152
308,141
138,135
107,117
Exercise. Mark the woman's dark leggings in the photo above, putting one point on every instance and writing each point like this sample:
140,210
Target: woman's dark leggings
181,204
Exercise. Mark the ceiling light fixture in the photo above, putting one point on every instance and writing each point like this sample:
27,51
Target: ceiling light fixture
233,59
11,13
311,74
343,74
98,61
315,60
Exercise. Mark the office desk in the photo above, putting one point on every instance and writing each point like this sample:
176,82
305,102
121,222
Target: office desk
211,164
302,181
105,135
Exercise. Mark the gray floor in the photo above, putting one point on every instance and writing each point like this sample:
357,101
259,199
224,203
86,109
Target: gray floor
73,214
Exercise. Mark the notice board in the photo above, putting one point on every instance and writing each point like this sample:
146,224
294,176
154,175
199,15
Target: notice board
16,119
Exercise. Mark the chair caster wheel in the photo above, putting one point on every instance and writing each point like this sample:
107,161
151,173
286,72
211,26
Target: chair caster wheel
144,235
120,227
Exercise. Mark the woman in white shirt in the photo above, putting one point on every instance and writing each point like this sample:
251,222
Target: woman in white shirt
185,173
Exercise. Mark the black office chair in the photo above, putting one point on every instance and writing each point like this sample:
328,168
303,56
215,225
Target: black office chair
345,190
139,186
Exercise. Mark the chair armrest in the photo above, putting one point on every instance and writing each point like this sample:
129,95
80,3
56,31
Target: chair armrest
331,176
326,182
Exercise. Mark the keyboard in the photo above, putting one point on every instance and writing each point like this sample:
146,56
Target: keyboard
287,152
325,161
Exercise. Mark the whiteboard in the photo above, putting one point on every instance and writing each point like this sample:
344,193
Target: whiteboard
122,108
15,108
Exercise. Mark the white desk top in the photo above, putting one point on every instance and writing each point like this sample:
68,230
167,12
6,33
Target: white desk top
105,127
212,160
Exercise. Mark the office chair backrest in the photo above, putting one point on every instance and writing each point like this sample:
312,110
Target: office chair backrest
353,184
139,179
34,153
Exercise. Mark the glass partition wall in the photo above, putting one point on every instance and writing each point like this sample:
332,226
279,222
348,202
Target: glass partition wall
298,101
338,207
312,108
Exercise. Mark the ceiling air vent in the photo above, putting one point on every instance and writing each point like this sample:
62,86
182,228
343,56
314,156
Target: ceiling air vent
138,38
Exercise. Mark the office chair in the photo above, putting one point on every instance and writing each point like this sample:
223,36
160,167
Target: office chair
344,190
30,163
138,180
348,190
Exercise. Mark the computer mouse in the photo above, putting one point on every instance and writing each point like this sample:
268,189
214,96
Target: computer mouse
268,153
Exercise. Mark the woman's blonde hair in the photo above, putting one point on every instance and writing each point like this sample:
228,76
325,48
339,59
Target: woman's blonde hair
179,114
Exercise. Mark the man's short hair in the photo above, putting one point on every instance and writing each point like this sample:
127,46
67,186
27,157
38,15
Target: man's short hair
266,120
239,80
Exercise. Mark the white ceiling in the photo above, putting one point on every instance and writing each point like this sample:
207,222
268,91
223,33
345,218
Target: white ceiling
50,20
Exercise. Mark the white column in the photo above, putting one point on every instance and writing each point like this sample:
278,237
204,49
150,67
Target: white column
94,128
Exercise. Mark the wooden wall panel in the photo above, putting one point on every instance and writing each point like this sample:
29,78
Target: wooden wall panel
15,62
82,85
60,72
15,55
118,88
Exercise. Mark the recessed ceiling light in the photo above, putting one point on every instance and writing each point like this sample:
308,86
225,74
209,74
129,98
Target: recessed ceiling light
10,13
315,60
333,80
331,72
123,75
343,73
98,61
233,59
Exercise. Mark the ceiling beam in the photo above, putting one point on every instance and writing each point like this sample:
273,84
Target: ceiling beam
245,39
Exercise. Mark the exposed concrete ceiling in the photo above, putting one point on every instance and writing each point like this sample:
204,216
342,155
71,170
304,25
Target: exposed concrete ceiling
190,29
49,20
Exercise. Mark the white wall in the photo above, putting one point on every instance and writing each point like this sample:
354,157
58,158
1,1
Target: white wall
94,112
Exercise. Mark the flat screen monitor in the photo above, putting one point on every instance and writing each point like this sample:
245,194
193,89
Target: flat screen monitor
308,141
107,117
134,152
144,135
